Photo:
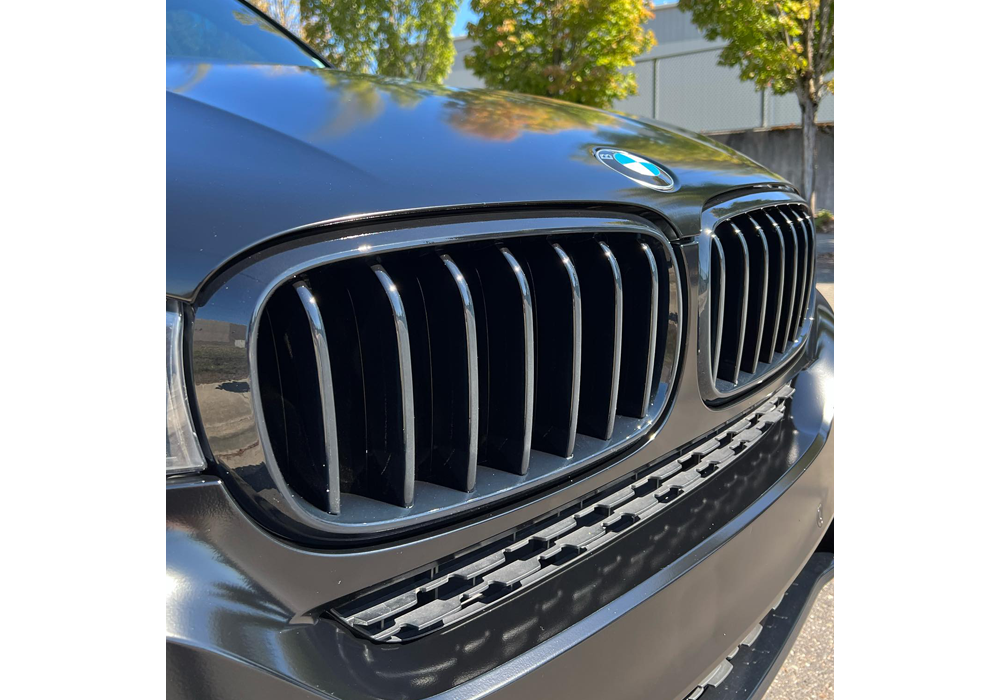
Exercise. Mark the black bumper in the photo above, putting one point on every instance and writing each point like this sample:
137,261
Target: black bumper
229,636
750,668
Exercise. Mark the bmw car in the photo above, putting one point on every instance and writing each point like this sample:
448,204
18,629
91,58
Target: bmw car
477,394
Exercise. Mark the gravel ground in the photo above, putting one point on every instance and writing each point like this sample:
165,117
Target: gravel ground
808,670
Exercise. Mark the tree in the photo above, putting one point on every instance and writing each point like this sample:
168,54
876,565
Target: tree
573,50
785,45
284,12
391,38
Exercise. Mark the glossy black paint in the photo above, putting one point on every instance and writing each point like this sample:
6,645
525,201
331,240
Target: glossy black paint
257,151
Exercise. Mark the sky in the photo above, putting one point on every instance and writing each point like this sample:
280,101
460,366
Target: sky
462,17
465,15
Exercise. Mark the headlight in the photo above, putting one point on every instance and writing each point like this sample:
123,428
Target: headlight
183,452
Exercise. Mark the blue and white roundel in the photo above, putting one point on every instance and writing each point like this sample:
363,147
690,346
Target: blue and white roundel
636,168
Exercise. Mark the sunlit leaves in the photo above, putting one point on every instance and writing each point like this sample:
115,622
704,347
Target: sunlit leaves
392,38
572,50
784,45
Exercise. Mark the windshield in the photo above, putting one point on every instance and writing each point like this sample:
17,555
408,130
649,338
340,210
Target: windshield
227,30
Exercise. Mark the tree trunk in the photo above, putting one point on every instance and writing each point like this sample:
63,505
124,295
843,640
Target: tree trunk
809,152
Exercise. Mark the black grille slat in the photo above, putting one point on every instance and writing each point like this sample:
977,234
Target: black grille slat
413,290
328,413
601,285
555,291
291,396
776,286
335,298
505,339
388,473
475,269
717,291
735,314
462,459
810,229
443,350
760,277
656,292
803,261
640,285
524,421
456,369
756,295
787,322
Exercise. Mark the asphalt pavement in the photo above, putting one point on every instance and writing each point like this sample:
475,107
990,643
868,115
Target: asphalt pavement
808,671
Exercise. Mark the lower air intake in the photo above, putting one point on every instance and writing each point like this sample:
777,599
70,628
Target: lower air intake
479,581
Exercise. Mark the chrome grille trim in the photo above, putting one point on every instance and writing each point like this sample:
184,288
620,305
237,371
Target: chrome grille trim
778,265
791,298
403,480
720,299
811,280
616,361
577,344
761,300
472,369
654,315
321,348
800,292
740,309
529,356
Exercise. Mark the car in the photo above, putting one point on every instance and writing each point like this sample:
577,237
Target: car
473,393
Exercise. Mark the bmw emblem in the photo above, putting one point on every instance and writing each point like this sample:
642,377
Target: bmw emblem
636,168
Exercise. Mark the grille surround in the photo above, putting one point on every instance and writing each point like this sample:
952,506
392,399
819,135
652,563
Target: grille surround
254,475
762,326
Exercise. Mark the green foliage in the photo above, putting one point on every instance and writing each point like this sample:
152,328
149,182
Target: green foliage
786,45
391,38
824,220
573,50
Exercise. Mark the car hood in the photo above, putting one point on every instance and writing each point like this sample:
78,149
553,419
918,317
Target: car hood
254,151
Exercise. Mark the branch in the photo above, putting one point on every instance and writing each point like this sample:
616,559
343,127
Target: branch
784,30
824,89
825,51
814,62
